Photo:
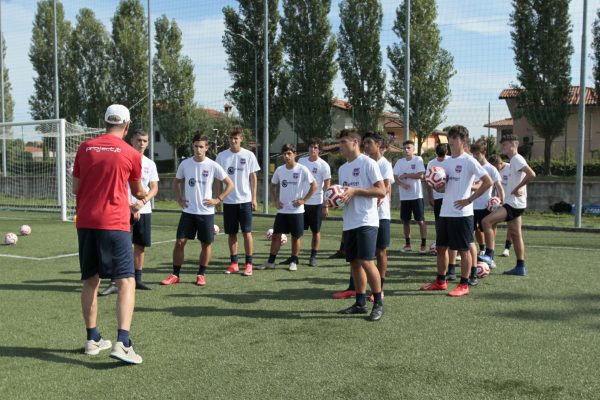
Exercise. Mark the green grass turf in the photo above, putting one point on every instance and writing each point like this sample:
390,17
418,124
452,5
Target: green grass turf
277,335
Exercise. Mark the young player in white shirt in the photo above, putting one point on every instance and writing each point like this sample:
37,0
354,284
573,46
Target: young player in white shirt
241,166
197,174
504,171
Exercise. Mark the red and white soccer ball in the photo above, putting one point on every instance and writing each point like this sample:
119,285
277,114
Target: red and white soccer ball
493,203
435,176
10,238
216,229
269,234
433,249
283,238
483,270
333,196
25,230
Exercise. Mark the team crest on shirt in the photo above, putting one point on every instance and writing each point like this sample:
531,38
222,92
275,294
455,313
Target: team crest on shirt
295,175
284,183
315,170
356,172
242,161
192,182
458,169
230,170
413,166
205,173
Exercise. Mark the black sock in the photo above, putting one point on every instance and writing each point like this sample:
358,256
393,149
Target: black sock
123,337
451,268
234,258
351,284
201,270
481,246
441,278
341,246
294,259
520,263
464,280
377,298
272,258
313,253
407,241
176,270
507,244
248,259
93,334
423,241
361,299
138,275
473,272
489,252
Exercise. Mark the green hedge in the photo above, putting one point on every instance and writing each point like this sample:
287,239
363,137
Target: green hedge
566,168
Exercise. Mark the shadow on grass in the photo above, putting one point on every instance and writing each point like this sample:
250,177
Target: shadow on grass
60,356
203,311
41,286
511,388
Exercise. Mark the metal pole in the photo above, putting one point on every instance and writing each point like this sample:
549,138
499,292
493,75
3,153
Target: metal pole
56,106
266,115
407,75
581,128
489,120
256,101
2,94
150,91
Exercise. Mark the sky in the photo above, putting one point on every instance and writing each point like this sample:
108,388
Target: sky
475,32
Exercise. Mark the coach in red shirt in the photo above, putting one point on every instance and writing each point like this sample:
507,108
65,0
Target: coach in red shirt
103,167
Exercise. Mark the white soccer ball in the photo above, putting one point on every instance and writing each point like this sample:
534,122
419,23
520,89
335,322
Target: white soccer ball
269,234
333,196
10,238
283,238
433,249
483,269
25,230
435,176
216,229
493,203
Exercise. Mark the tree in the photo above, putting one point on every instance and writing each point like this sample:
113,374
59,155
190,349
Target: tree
248,21
129,76
360,60
596,52
173,86
89,80
9,104
41,55
431,68
542,44
310,48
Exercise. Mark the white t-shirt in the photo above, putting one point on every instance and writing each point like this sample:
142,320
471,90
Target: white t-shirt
321,172
436,163
414,166
504,174
385,167
361,173
517,163
149,174
238,166
198,180
293,184
461,172
480,203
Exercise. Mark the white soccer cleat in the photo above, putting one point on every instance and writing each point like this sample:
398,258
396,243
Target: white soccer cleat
93,348
293,267
505,253
125,354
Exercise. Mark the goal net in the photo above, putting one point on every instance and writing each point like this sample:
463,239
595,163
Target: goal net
37,162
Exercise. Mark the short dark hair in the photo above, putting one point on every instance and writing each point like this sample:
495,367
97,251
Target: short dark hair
407,142
316,141
288,147
349,132
509,138
374,136
441,149
459,131
199,137
479,147
140,132
493,159
235,131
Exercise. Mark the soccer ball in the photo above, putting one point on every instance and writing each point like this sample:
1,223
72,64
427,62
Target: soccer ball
25,230
483,270
269,234
333,196
493,203
433,249
283,238
435,176
10,238
216,229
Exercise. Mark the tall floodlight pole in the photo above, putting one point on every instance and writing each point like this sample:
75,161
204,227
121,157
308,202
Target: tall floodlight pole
2,94
407,75
266,115
150,92
581,129
56,106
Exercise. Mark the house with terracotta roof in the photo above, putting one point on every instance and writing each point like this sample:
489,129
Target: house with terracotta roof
532,145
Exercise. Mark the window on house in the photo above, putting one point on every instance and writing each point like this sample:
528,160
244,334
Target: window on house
156,136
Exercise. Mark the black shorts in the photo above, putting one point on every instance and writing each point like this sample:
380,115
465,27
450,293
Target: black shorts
289,223
194,225
141,230
415,207
456,233
359,243
478,216
437,207
512,213
313,216
236,217
106,253
383,234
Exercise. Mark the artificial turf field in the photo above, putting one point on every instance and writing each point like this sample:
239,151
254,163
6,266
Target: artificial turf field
277,335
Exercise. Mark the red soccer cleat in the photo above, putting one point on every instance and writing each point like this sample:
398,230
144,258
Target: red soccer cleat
461,290
232,269
435,285
346,294
171,280
372,297
248,270
200,280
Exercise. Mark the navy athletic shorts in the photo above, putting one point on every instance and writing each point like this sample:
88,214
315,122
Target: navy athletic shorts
106,253
313,216
141,231
194,225
236,217
415,207
359,243
456,233
289,223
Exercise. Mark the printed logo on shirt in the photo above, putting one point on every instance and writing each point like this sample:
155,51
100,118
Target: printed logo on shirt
242,161
192,182
205,173
230,170
413,166
284,183
315,170
458,169
295,175
351,184
356,172
146,170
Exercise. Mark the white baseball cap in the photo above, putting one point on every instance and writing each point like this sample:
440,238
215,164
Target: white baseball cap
120,112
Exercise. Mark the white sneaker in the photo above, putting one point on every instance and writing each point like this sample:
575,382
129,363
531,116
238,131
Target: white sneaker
92,347
125,354
293,267
266,265
493,265
505,253
482,253
458,257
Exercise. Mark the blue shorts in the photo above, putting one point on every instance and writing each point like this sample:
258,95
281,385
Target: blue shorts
313,216
478,216
359,243
383,234
106,253
456,233
289,223
415,207
192,225
236,217
141,230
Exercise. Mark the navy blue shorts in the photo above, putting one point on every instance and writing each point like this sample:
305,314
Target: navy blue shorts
456,233
478,216
512,213
437,207
313,216
383,234
360,243
289,223
106,253
415,207
141,230
236,217
194,225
